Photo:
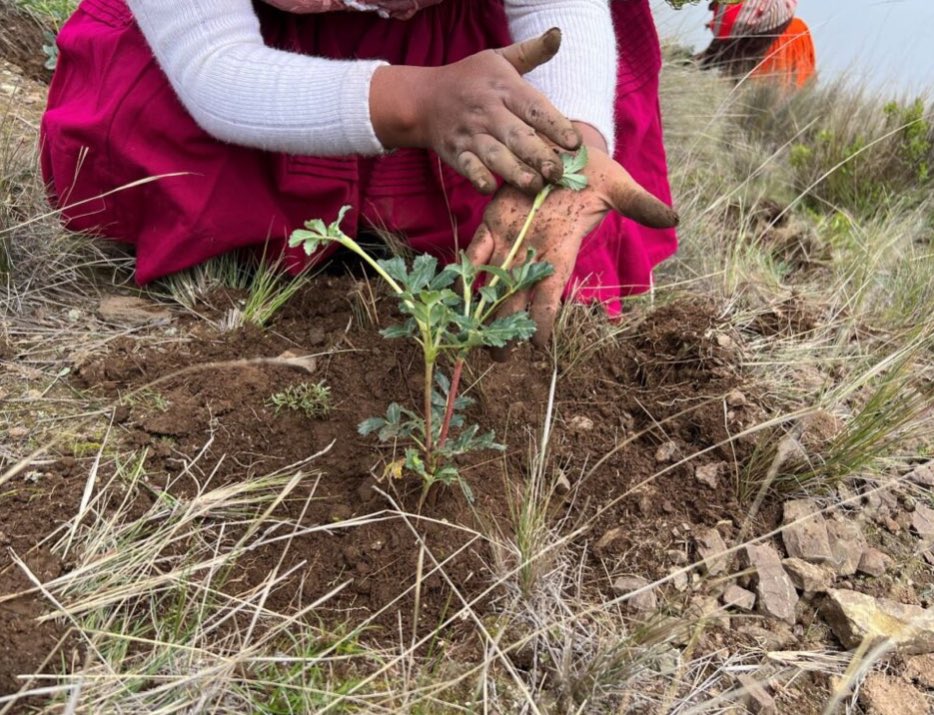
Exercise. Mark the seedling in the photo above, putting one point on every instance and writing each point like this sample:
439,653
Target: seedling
313,399
451,311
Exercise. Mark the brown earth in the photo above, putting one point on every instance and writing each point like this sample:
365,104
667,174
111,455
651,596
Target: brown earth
22,36
663,380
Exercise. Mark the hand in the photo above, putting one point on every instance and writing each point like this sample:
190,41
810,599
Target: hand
559,227
478,114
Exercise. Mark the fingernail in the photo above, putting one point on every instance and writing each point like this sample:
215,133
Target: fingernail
550,170
572,138
528,178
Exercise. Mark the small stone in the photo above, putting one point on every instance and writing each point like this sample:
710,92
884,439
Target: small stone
923,475
856,617
679,579
891,526
73,315
920,668
805,534
711,548
735,398
886,695
922,522
777,637
709,474
776,592
736,597
677,557
874,563
666,452
907,502
724,341
847,544
581,423
807,577
756,697
562,483
608,538
644,601
17,432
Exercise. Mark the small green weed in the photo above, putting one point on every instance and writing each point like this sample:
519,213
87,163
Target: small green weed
313,399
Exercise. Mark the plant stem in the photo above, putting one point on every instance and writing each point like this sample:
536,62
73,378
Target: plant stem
520,239
348,242
429,441
452,397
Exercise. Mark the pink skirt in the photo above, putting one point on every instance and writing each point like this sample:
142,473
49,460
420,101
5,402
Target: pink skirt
113,119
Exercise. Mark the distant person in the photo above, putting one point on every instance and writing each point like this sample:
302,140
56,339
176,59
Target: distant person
760,39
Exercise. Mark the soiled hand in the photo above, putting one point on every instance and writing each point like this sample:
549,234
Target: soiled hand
561,224
479,115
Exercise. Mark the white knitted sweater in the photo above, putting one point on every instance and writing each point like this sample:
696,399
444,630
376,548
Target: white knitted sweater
243,92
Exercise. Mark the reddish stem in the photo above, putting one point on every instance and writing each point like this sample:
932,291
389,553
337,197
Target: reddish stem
452,397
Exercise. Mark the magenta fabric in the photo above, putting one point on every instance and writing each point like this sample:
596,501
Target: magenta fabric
113,119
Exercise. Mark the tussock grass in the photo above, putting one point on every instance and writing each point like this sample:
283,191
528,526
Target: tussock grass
805,218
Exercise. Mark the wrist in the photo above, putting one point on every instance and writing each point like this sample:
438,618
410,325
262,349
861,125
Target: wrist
591,136
397,100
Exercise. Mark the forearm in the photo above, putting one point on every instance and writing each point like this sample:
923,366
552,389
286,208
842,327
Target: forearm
240,91
581,79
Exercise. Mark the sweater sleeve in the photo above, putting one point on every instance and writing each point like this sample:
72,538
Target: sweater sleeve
581,79
241,91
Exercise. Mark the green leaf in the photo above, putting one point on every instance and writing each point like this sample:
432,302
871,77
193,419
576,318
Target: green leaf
501,273
396,269
575,182
490,293
371,425
501,331
424,269
574,163
405,330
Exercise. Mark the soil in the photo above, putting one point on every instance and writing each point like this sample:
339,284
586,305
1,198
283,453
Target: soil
663,380
22,37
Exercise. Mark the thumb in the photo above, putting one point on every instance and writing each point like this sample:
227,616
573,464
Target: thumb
527,55
628,198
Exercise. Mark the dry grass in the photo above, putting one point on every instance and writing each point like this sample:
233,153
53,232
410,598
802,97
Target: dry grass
169,634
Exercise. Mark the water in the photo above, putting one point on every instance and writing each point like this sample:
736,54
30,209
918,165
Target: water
886,45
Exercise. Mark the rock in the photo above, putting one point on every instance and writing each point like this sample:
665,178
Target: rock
127,310
308,363
755,696
677,557
805,534
807,577
886,695
608,538
923,475
709,474
874,563
645,601
737,597
922,522
562,483
777,596
847,544
711,548
679,579
920,668
666,452
854,617
581,423
735,398
777,637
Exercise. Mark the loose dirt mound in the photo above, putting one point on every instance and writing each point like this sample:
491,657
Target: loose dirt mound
22,37
664,382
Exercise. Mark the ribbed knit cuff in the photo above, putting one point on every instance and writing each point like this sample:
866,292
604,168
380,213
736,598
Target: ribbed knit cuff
581,79
356,123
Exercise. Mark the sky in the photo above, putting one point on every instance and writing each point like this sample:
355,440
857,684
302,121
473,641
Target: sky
883,44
